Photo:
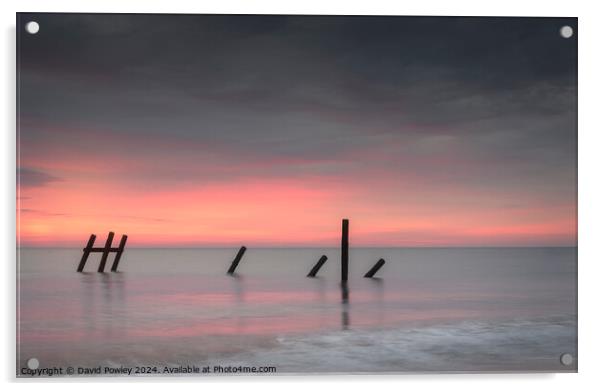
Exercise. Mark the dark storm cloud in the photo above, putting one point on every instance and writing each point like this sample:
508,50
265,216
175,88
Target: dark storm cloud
29,177
499,93
331,63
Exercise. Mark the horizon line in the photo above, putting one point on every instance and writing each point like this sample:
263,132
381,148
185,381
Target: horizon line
304,247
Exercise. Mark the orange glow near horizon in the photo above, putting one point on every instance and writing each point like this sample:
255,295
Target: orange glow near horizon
279,212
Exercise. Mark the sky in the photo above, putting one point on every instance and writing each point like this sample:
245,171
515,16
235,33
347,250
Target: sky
223,130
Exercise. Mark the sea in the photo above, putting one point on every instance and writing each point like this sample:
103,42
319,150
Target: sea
427,310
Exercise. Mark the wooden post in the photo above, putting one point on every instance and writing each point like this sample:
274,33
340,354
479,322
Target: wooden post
345,250
105,252
237,260
375,268
87,249
317,266
124,239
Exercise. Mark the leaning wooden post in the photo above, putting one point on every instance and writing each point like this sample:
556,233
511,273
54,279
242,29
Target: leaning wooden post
124,239
375,268
87,249
317,266
237,260
105,252
345,250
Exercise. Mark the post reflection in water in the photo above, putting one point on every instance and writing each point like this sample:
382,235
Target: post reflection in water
107,305
239,288
239,292
377,285
321,289
88,302
320,295
344,305
103,293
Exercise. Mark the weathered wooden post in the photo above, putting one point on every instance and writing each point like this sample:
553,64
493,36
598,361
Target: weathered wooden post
345,250
317,266
237,260
105,252
124,239
87,250
375,268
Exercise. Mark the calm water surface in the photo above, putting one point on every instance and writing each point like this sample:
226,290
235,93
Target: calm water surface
479,309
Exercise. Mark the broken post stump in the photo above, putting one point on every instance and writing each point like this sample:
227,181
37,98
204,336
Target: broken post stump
87,250
105,252
236,260
124,239
375,268
317,266
345,250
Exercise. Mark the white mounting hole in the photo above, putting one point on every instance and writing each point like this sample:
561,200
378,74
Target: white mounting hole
566,359
32,27
566,32
33,363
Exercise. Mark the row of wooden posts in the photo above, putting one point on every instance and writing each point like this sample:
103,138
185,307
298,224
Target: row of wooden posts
105,252
312,273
